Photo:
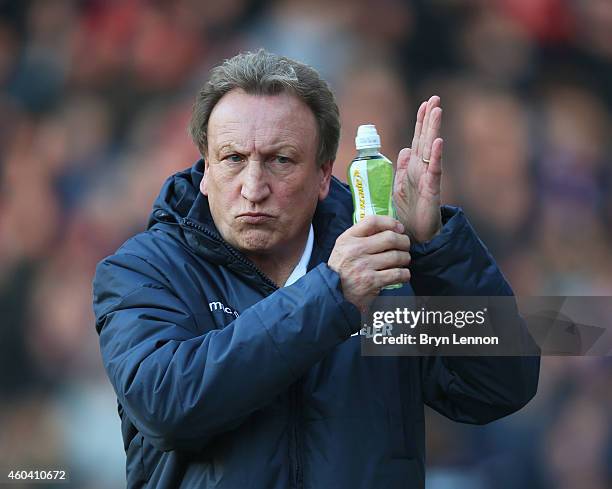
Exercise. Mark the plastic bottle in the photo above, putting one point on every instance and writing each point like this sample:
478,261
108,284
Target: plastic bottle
370,177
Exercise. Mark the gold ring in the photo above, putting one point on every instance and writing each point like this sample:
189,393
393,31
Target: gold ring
425,161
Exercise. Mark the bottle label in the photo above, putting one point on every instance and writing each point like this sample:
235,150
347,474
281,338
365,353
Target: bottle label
371,182
360,184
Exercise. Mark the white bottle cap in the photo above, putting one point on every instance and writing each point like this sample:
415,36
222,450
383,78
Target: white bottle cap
367,137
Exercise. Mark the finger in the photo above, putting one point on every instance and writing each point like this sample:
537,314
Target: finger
386,240
432,104
391,276
433,101
373,225
418,127
433,131
389,259
435,164
434,168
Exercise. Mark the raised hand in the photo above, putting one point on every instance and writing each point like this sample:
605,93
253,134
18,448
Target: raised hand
416,192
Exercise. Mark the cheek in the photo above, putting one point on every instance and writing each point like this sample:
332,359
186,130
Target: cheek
220,186
220,204
299,199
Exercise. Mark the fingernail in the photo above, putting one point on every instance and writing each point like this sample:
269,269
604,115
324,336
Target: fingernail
399,227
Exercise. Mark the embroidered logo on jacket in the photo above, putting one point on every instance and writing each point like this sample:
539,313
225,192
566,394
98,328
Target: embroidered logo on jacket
219,306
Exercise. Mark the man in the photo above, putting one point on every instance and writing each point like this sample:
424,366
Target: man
227,328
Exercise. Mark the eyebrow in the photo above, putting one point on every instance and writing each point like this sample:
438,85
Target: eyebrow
284,147
274,148
227,147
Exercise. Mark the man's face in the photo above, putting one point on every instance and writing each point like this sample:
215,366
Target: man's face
262,178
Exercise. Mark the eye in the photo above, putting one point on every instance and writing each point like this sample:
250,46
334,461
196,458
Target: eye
234,158
283,160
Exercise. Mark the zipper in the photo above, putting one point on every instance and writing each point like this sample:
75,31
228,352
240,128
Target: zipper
298,476
237,255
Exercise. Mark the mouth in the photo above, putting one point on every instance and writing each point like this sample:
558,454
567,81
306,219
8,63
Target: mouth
254,217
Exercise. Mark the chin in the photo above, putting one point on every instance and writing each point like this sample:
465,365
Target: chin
255,242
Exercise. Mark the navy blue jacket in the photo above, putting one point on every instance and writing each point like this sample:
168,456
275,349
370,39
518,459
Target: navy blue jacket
224,380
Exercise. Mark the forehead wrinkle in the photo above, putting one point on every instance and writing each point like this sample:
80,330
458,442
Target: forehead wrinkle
274,139
264,141
259,129
230,133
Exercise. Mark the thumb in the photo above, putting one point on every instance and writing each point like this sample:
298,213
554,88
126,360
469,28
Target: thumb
401,168
403,158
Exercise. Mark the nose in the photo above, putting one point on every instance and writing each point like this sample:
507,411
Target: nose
255,185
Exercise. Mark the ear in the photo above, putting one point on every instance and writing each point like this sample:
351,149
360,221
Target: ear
326,172
204,181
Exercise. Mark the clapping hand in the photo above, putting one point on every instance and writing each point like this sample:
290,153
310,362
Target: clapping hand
416,192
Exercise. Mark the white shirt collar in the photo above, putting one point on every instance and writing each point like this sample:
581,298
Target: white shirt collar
302,267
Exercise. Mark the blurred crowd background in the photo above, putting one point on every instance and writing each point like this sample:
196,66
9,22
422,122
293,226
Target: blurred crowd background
94,101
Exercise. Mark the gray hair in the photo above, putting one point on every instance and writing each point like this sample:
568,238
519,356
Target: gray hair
264,73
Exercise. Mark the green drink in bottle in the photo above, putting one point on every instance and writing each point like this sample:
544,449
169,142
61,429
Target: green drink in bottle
370,176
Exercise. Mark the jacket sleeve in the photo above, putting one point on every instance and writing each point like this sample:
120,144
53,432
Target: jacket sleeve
471,389
180,388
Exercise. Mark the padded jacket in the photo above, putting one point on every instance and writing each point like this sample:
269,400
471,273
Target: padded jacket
226,381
